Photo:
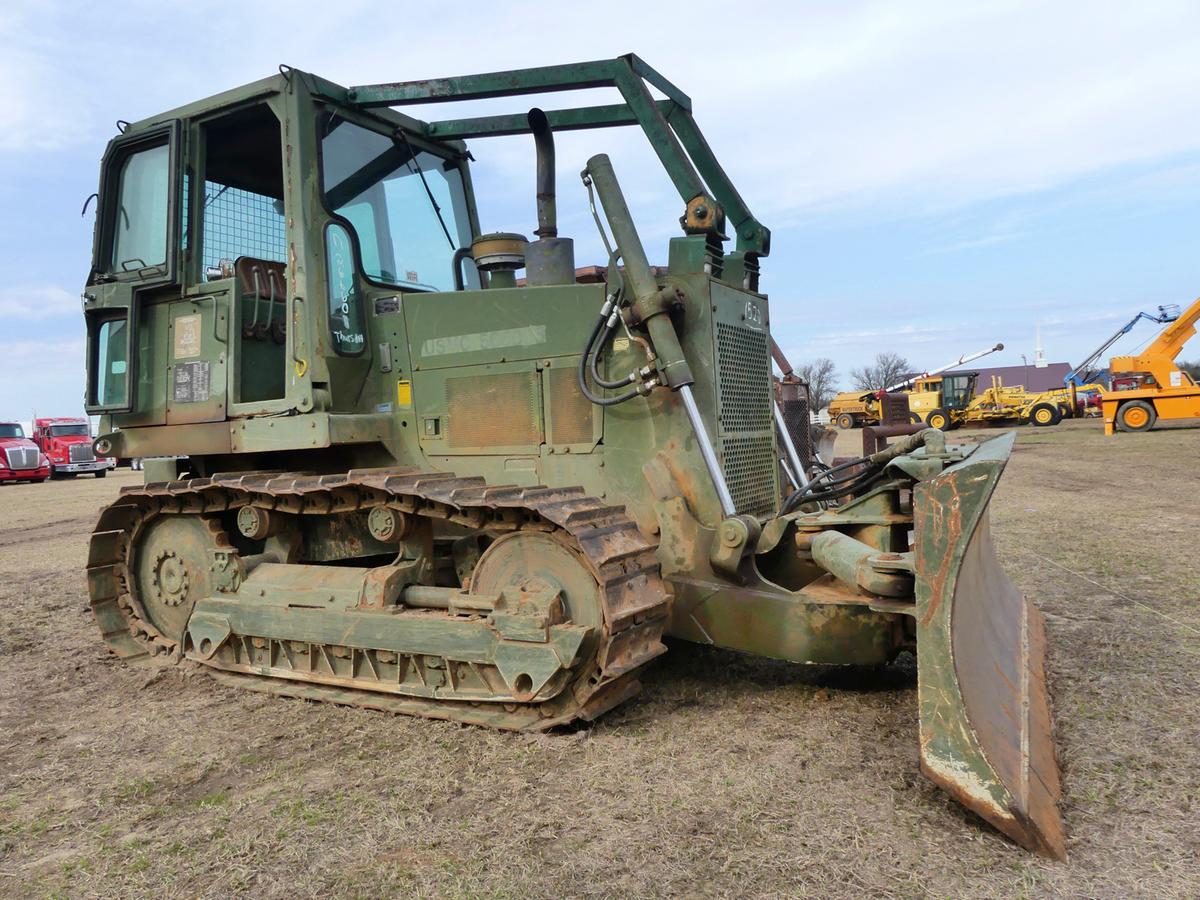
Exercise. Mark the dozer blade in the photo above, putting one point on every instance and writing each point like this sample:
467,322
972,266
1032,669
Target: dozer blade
986,730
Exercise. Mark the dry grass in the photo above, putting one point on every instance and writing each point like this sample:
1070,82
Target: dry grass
729,775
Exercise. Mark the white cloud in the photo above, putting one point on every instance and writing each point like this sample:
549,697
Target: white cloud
976,100
37,302
19,354
41,375
45,107
924,104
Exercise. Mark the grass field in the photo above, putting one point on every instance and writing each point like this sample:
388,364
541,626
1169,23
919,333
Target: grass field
729,775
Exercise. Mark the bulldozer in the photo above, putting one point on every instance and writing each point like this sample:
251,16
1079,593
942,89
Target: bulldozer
416,481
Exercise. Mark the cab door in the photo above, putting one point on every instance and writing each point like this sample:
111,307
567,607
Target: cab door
134,268
198,337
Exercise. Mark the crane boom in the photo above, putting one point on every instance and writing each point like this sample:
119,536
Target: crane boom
1172,338
1084,373
966,358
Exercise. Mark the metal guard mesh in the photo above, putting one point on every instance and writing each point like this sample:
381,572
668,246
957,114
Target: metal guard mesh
239,223
798,420
744,404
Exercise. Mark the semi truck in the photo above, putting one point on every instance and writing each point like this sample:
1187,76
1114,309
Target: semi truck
67,444
20,458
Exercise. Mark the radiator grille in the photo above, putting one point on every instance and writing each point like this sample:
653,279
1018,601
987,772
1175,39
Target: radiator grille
494,410
746,422
22,457
570,412
82,453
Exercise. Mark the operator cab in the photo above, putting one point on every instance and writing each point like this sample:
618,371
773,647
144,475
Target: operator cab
958,389
205,214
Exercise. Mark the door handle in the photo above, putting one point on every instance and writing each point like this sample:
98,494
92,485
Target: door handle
300,363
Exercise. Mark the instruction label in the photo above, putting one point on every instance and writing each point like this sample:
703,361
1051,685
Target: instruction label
192,382
187,336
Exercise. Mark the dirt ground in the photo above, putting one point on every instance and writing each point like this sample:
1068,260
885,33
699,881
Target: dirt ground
728,776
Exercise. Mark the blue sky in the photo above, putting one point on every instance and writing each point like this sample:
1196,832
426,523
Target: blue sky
937,176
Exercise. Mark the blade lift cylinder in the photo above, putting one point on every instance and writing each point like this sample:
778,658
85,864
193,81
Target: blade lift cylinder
652,305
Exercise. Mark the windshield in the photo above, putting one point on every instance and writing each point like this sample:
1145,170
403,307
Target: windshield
409,211
956,391
10,430
61,430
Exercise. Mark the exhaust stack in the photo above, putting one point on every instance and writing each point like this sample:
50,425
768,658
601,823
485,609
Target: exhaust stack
550,259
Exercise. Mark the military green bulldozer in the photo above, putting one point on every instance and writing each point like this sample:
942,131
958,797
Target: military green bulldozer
429,470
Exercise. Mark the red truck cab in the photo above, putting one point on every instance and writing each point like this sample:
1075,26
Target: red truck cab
67,443
20,458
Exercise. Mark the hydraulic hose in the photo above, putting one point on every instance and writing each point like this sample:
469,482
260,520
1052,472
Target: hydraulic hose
605,337
583,373
825,487
456,262
851,485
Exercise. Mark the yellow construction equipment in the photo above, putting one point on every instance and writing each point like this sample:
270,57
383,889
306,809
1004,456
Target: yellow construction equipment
949,401
1149,386
854,409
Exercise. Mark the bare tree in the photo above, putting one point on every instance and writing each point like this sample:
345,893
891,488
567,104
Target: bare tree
1192,368
887,369
822,376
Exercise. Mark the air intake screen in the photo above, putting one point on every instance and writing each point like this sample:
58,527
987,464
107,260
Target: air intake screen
747,440
494,410
570,412
794,405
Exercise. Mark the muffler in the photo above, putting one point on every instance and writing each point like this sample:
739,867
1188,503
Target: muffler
550,259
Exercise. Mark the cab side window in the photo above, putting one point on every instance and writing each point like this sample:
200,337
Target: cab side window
140,226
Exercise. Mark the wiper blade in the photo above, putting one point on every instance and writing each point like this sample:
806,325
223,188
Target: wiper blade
412,155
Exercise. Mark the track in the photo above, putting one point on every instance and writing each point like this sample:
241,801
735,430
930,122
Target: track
634,601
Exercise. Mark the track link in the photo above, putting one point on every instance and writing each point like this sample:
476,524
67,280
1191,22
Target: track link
633,597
